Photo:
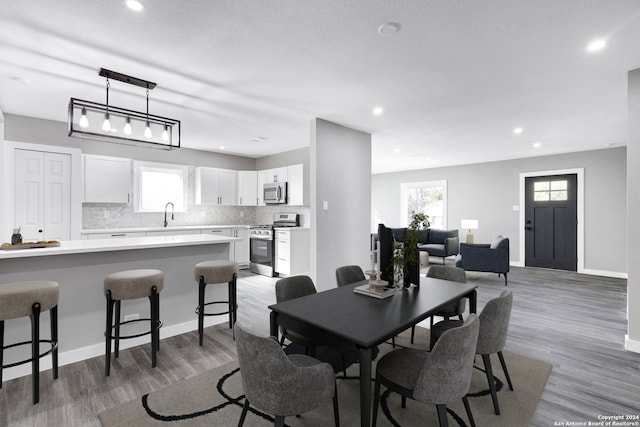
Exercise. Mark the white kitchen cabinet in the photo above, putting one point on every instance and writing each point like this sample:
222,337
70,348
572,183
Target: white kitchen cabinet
218,231
114,235
295,191
248,188
215,186
262,179
277,175
292,251
106,179
241,248
170,232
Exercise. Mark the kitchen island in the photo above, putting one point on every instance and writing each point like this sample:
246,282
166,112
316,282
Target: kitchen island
79,267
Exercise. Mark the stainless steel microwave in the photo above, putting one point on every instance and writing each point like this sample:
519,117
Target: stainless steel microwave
275,193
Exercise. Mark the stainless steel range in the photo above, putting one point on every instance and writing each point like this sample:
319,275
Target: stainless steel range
262,248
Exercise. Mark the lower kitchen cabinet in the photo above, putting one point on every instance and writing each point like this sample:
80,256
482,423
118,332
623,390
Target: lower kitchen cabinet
292,251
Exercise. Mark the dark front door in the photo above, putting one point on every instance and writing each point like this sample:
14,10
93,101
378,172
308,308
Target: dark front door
551,221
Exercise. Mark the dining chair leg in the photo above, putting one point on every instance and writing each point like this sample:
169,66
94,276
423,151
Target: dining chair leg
413,333
467,408
279,421
486,358
505,370
442,415
344,365
404,402
376,399
336,412
245,408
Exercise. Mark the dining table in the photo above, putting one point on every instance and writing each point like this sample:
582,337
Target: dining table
346,320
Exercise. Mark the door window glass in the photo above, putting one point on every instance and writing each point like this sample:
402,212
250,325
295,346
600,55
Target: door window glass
544,191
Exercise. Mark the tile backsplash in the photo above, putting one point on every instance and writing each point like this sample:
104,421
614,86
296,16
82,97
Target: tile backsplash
105,215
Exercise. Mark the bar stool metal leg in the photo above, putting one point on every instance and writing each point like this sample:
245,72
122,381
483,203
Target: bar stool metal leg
108,337
35,351
155,331
53,313
117,325
1,349
201,286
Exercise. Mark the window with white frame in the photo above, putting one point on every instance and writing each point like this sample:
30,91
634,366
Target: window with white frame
429,197
156,184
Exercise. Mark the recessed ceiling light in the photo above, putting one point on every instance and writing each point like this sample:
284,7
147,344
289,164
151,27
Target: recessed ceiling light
427,159
397,150
537,145
596,45
259,139
388,28
135,5
517,131
222,147
378,111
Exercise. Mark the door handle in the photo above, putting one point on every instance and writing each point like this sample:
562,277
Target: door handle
528,228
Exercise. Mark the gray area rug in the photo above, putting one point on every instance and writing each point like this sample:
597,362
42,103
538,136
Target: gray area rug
215,398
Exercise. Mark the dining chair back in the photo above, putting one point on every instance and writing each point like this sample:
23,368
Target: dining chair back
348,274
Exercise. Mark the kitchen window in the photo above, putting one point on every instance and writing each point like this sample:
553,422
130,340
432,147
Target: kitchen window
156,184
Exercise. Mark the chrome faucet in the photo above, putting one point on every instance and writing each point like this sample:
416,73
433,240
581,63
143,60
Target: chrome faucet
165,212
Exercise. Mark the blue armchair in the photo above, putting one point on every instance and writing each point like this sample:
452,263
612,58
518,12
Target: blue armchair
493,258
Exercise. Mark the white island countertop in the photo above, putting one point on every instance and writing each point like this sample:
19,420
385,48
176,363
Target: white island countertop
106,245
150,229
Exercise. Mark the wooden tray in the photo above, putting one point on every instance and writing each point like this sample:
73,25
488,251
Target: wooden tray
30,245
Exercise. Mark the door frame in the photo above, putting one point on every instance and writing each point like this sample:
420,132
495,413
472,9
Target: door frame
8,187
579,172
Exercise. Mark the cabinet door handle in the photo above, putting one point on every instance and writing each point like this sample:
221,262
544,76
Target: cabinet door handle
118,235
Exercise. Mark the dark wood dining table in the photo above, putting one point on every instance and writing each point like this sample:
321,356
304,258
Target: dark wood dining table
345,320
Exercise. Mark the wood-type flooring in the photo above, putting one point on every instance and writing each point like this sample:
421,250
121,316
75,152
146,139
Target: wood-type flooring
575,322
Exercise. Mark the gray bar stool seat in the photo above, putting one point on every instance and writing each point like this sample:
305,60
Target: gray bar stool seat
214,272
128,285
24,299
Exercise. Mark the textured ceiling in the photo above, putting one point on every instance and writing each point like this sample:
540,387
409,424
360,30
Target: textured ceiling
454,81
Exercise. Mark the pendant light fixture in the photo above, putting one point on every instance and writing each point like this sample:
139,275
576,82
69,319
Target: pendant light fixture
137,127
106,124
147,129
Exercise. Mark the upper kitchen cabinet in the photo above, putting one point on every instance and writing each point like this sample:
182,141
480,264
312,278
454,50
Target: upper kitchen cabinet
215,186
248,188
276,175
295,194
106,179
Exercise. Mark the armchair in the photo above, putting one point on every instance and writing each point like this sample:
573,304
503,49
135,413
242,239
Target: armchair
490,258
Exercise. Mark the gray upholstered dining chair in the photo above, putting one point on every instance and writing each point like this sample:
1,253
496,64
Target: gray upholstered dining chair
439,377
494,324
452,274
282,385
289,288
348,274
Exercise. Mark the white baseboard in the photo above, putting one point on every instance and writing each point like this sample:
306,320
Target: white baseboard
77,355
605,273
631,345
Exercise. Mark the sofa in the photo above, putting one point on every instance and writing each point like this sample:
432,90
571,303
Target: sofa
488,258
439,243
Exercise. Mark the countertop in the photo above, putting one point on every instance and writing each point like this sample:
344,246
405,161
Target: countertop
169,228
106,245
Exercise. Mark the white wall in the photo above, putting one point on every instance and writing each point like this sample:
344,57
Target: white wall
340,175
488,192
633,213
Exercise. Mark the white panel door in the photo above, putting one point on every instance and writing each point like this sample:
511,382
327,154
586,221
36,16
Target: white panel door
43,195
57,196
29,194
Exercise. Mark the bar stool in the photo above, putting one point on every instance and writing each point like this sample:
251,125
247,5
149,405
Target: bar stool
23,299
127,285
213,272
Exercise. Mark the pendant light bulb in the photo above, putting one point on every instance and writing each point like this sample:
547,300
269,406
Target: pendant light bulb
106,125
84,122
127,126
165,134
147,131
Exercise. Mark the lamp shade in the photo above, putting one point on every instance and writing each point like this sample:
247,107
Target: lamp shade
469,224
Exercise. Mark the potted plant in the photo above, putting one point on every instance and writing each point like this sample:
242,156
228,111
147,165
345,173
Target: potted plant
411,261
